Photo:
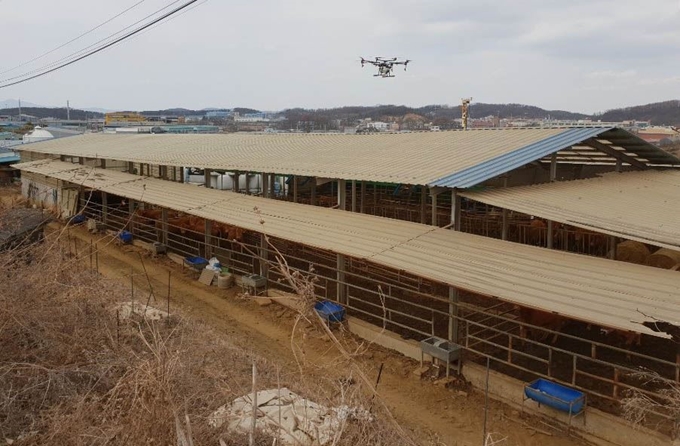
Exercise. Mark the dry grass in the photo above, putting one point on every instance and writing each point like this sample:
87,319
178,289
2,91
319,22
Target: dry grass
72,373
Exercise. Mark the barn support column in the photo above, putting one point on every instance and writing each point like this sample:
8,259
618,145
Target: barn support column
81,160
164,226
504,231
206,178
313,198
264,257
362,206
423,204
453,315
265,185
272,188
282,186
612,247
553,177
342,194
375,198
105,207
208,238
295,189
131,211
341,287
354,195
102,163
182,179
455,210
237,179
433,194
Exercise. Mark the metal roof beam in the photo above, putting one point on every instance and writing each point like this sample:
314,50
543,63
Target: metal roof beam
616,154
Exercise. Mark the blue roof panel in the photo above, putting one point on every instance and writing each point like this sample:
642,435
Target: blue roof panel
518,158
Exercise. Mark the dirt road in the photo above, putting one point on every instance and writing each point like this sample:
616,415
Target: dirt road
436,415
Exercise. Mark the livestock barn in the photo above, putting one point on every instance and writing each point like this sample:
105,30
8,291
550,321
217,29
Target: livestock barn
583,321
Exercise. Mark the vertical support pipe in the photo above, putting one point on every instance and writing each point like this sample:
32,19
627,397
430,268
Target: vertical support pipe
375,199
313,198
423,203
362,206
264,257
206,178
504,231
354,195
612,247
272,187
553,167
105,207
341,287
237,178
103,163
342,194
164,226
453,315
434,207
208,238
265,185
455,210
550,234
619,164
295,189
248,177
131,211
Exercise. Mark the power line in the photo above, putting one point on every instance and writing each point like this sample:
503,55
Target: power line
83,50
102,48
74,39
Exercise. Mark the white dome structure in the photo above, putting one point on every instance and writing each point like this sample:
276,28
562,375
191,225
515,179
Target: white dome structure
38,134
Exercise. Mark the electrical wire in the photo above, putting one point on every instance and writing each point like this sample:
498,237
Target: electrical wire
102,48
84,50
172,18
74,39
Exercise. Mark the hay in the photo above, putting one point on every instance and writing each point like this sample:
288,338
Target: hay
664,258
632,252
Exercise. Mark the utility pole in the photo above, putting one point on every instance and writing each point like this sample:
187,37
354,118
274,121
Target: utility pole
464,109
19,110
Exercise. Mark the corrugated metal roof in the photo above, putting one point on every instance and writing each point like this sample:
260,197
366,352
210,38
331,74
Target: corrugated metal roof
586,288
517,158
408,158
642,206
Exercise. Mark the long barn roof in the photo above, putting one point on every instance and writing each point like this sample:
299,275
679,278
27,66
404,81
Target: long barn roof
450,159
642,206
600,291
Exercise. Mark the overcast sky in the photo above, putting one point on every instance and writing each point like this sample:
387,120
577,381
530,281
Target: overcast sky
578,55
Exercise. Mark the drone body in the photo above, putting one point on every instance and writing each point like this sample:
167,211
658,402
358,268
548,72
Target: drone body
385,65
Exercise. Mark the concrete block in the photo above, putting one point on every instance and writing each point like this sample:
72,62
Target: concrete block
263,301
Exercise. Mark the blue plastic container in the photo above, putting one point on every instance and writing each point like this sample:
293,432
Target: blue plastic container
555,395
125,237
77,219
330,311
198,263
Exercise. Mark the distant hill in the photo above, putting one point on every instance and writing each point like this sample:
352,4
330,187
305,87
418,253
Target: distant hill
44,112
659,113
14,103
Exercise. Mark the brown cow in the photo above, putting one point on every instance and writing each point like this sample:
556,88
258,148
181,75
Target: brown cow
535,232
541,319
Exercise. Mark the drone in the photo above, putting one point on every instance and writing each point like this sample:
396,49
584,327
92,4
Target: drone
385,65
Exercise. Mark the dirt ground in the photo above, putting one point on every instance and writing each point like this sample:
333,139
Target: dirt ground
436,414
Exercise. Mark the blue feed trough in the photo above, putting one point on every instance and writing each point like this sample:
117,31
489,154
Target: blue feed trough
77,219
555,395
197,263
125,237
330,311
